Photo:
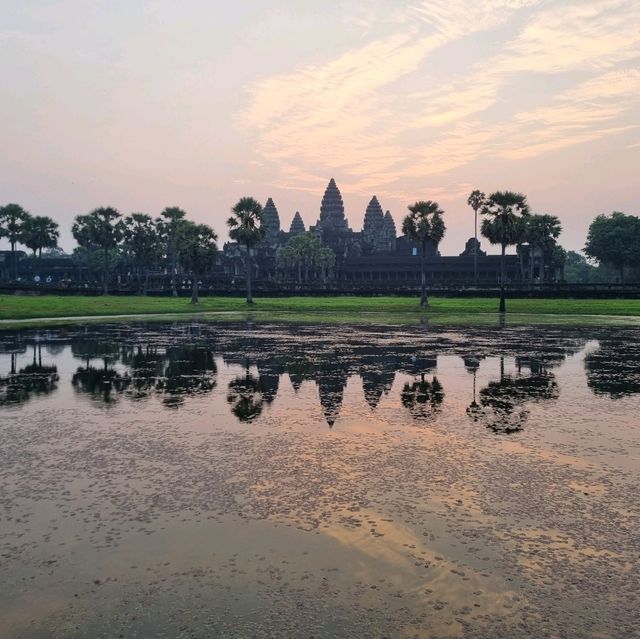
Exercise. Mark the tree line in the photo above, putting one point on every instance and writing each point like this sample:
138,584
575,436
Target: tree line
105,236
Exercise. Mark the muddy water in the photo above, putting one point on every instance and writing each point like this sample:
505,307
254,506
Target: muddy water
272,480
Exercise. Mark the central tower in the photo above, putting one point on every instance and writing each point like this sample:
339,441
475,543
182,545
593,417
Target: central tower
332,218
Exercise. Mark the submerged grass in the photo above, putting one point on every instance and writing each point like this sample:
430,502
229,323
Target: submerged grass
46,309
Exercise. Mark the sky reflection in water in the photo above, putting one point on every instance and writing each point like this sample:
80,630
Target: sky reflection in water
268,478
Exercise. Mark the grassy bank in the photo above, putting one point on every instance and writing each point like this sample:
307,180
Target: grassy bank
13,307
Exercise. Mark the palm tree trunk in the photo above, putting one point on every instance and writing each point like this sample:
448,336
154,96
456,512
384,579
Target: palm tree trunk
194,290
531,261
475,249
14,255
503,304
424,300
542,266
174,265
249,294
105,260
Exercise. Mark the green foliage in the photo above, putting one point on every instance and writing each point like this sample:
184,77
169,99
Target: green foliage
39,232
504,225
103,230
142,243
12,218
424,223
504,211
542,231
197,248
615,239
245,225
476,200
100,229
305,252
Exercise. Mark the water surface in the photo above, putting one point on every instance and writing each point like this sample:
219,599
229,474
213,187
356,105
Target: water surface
232,479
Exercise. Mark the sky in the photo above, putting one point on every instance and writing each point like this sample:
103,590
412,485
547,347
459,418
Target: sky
146,104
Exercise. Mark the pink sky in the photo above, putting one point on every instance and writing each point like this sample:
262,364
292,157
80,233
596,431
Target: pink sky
142,105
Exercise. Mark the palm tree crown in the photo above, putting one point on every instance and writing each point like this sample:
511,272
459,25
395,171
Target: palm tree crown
424,223
246,222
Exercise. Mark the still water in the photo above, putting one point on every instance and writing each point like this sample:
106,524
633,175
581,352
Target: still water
275,480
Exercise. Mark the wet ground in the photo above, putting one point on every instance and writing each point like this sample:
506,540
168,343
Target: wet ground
273,480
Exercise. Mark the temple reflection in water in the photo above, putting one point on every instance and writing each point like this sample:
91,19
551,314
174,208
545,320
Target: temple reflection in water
179,361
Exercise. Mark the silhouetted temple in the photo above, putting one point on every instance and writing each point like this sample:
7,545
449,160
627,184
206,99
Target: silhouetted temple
375,256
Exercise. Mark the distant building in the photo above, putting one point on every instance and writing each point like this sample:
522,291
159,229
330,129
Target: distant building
375,254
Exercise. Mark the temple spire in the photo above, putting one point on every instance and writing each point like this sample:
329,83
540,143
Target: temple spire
332,209
271,219
297,225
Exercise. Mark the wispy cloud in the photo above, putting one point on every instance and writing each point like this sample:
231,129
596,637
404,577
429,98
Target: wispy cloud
356,114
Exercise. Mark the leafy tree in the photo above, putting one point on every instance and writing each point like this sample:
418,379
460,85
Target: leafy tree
247,229
100,230
142,245
504,211
577,269
326,260
424,224
475,201
286,259
12,219
170,224
542,231
614,240
40,232
197,252
305,252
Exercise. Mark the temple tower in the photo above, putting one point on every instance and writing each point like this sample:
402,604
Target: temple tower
271,220
373,228
332,218
297,225
389,232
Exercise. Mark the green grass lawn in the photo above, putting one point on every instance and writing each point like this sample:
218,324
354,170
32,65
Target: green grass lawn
17,307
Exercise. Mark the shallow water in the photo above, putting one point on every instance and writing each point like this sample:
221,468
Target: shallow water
272,480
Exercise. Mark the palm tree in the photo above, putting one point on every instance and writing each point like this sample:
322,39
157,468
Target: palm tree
142,245
170,223
102,229
504,211
247,229
542,231
475,201
12,219
40,232
424,224
197,253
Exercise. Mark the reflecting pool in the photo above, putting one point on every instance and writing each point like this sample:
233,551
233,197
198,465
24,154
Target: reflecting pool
281,480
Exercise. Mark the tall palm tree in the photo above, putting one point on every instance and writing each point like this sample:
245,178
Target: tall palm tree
142,246
40,232
504,211
197,253
170,224
247,229
424,224
475,201
102,229
12,219
542,231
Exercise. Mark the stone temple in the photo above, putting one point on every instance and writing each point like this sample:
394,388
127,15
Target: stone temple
375,257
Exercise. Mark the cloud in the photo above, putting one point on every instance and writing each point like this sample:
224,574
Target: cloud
361,114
